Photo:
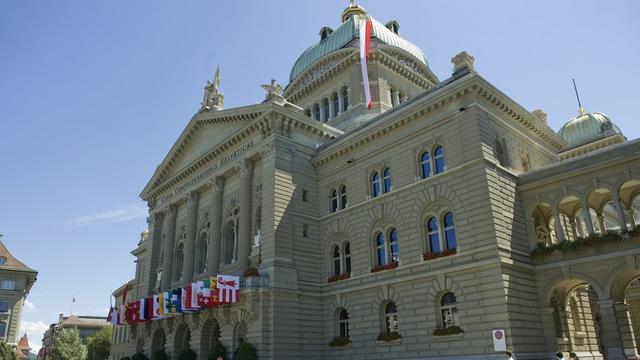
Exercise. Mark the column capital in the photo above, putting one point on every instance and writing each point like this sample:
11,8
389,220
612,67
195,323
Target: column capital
244,167
191,198
216,183
171,210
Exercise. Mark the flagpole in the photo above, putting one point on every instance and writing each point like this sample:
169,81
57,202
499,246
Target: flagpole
73,301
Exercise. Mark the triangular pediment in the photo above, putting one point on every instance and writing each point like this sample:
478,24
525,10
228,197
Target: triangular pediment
205,131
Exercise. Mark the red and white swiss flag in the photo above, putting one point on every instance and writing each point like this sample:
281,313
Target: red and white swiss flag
366,27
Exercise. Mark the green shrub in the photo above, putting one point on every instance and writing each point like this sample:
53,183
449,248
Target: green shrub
246,352
218,350
139,356
188,354
160,355
125,358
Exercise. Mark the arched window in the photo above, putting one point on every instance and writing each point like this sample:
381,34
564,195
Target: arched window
316,112
343,197
425,164
438,159
345,99
434,237
335,100
201,262
381,257
375,184
325,110
347,258
394,249
391,317
343,323
177,269
387,179
336,261
449,310
334,200
392,94
449,231
231,237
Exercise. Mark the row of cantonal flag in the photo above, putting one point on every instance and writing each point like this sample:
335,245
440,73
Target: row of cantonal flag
203,294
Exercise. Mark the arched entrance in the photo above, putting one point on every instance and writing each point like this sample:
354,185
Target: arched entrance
158,341
210,337
182,340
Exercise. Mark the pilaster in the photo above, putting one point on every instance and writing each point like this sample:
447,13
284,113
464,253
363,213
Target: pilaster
170,235
190,243
213,251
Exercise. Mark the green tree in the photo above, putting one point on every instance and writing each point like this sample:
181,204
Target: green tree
68,346
218,350
98,344
125,358
160,355
139,356
6,352
246,352
188,354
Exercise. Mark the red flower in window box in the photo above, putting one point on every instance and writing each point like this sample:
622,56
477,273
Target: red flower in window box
391,265
433,255
342,276
451,330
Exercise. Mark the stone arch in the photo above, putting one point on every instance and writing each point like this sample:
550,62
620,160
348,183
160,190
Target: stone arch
158,341
182,339
618,282
384,295
575,279
339,226
210,336
140,345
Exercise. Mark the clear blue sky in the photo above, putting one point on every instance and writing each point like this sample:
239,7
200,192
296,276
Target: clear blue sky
93,95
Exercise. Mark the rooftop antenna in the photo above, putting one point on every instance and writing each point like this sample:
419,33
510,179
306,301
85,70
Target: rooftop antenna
580,109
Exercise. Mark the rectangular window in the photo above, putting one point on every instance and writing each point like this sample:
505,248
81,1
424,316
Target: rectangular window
8,285
4,306
305,230
3,329
305,195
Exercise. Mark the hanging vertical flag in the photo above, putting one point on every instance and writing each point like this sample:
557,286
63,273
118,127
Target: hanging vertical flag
176,300
193,296
204,294
150,307
366,27
228,288
113,316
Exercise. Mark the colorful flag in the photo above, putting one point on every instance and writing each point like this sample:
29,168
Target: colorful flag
176,300
133,312
366,28
228,289
193,296
113,316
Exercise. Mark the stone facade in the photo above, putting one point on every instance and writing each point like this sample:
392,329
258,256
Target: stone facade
408,230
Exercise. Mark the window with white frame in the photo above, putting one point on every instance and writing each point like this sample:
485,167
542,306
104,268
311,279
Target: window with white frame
337,266
431,164
7,284
3,260
375,184
387,248
425,165
441,234
391,317
4,306
343,323
343,197
341,259
334,200
347,258
449,310
386,180
345,98
438,160
3,328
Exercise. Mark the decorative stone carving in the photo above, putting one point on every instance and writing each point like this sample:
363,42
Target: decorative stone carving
540,115
462,61
213,99
216,183
274,91
244,167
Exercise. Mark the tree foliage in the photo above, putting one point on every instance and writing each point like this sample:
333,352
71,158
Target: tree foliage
139,356
188,354
98,344
68,346
217,351
247,352
160,355
7,352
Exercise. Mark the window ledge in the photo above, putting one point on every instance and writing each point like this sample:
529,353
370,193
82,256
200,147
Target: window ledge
340,347
390,342
452,337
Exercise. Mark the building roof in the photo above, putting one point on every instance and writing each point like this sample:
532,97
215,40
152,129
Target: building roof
587,127
83,321
343,35
11,263
23,347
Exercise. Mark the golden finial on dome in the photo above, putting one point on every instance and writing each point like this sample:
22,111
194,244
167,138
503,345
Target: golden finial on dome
353,9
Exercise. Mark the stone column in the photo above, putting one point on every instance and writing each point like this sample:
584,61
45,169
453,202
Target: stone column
340,103
167,261
587,219
559,230
531,230
603,229
620,210
155,222
396,97
631,218
611,339
574,232
623,316
190,243
244,231
213,250
549,329
565,343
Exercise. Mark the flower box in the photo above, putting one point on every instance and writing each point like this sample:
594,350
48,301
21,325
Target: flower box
389,336
342,276
251,272
391,265
541,250
433,255
451,330
340,341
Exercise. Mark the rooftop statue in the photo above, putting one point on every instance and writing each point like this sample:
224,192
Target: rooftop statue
213,98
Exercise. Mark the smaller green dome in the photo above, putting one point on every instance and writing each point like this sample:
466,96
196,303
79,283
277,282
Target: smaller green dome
587,127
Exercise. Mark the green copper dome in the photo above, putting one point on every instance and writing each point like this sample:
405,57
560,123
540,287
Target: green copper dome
587,127
342,36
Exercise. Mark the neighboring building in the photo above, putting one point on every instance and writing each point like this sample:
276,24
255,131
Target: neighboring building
411,229
86,326
120,344
23,349
16,280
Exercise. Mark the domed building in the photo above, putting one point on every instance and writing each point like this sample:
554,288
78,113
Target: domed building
371,210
